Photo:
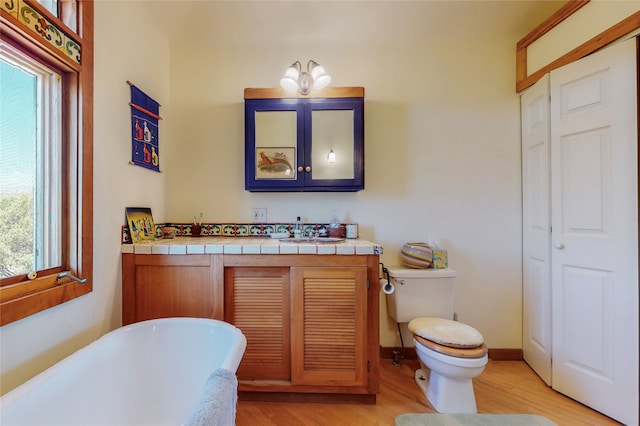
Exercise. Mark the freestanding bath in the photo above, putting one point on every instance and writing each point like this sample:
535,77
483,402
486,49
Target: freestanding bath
148,373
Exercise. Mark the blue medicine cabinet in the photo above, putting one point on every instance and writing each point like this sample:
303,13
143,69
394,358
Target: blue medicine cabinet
305,143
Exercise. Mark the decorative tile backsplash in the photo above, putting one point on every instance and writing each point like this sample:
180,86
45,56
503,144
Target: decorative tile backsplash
233,229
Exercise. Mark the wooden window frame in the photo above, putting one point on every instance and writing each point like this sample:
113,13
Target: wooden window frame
20,296
606,37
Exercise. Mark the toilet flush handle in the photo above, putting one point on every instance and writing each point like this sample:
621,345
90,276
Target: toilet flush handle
559,246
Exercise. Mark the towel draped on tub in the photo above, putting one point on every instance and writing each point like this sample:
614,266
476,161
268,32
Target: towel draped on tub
217,404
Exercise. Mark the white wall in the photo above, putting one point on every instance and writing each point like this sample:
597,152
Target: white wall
442,155
30,345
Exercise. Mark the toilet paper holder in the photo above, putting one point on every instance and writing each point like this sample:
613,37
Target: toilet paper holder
388,287
396,355
385,271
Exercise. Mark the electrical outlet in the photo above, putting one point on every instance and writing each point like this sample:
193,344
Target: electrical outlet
259,214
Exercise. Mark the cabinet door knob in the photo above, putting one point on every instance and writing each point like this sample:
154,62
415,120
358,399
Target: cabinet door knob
300,169
307,169
559,246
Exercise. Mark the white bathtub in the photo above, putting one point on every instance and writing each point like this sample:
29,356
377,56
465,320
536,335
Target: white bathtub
148,373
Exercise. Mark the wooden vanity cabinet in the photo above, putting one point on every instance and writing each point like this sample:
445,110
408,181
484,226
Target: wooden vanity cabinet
311,321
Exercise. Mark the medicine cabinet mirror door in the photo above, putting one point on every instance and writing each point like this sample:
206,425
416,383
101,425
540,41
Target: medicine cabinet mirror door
273,131
335,148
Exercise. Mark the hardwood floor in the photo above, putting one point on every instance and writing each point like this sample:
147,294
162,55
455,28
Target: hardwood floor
504,387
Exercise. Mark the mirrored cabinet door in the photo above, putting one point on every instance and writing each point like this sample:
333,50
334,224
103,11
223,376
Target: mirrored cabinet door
273,132
334,129
332,147
276,142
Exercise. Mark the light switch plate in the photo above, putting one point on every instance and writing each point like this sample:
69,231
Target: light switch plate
259,214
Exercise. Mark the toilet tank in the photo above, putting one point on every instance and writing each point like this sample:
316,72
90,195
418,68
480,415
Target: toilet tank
421,293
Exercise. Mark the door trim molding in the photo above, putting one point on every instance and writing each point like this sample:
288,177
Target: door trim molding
606,37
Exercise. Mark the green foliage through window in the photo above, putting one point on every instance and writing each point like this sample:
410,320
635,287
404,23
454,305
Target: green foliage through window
16,228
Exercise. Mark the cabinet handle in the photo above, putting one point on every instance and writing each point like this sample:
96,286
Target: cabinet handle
300,169
559,246
307,169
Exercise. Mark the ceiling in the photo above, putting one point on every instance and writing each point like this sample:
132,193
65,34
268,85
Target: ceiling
354,23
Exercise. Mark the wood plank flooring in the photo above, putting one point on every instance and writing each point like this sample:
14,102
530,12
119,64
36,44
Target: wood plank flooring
504,387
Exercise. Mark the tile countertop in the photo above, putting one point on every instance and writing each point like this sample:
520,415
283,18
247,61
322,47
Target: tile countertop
248,245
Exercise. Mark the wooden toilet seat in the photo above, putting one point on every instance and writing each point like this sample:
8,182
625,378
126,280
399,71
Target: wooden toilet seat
448,337
458,352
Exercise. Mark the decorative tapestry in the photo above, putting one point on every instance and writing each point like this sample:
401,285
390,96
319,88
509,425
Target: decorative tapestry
144,129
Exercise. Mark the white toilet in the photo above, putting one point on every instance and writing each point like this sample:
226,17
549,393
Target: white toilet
453,353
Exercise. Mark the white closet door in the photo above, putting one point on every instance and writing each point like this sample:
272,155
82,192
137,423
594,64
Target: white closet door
595,231
536,235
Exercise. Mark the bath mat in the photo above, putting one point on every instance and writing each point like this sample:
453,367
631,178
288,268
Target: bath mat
472,419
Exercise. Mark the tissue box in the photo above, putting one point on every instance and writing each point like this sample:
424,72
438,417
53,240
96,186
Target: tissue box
440,260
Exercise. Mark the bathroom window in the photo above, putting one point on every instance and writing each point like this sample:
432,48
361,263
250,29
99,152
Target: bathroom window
30,164
46,156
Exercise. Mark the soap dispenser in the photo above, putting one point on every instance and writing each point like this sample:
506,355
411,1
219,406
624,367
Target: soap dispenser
297,230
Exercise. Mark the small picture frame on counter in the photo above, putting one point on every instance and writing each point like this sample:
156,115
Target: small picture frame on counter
140,221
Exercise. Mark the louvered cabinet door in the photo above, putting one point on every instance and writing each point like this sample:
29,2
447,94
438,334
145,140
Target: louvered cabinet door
257,302
328,317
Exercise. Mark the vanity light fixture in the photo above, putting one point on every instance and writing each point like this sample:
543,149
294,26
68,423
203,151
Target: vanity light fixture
303,81
331,157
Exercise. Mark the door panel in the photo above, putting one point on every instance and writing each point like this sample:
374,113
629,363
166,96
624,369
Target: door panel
158,286
586,183
595,231
329,330
587,334
536,235
257,302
